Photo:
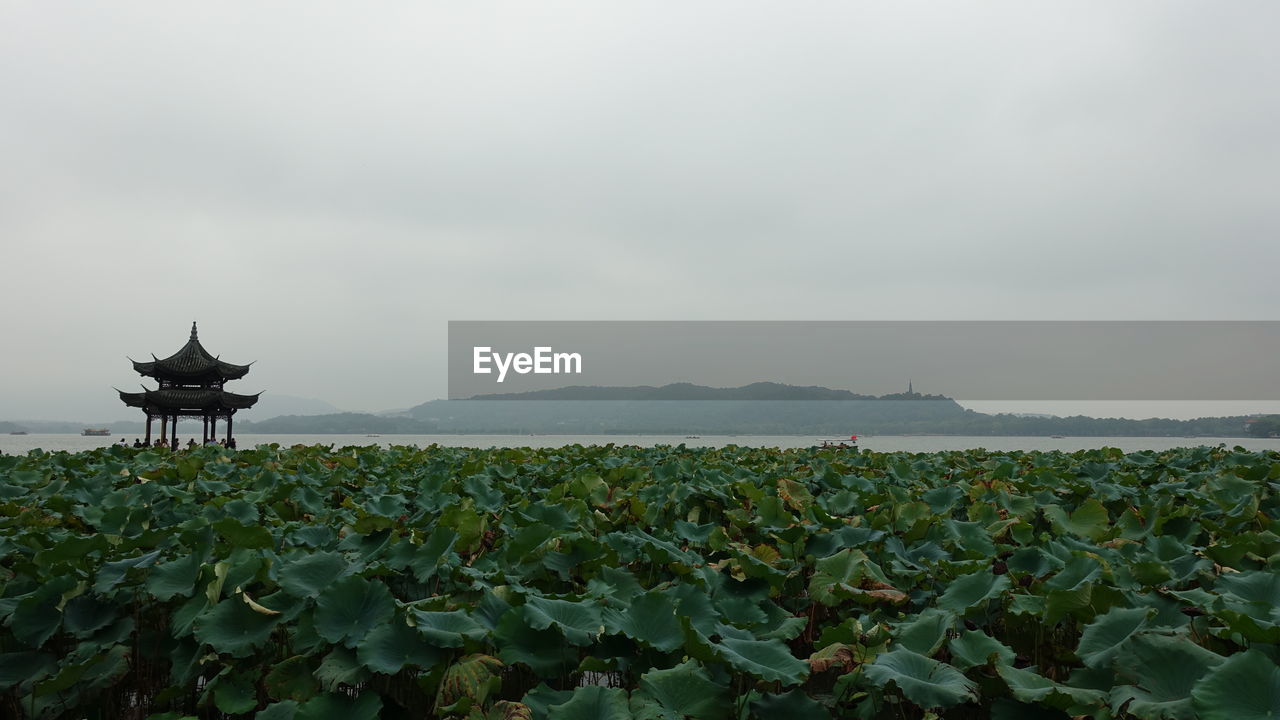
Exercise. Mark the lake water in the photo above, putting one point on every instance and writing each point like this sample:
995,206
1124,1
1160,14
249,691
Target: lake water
14,444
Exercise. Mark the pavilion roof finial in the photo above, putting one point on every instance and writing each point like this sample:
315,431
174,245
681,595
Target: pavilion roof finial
193,329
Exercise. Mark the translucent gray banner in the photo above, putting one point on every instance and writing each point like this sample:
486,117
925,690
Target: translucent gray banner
978,360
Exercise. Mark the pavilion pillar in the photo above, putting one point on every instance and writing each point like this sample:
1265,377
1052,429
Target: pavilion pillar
204,435
148,428
164,428
213,428
229,418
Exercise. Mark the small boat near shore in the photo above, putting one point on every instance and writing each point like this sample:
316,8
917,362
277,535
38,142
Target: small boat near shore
99,432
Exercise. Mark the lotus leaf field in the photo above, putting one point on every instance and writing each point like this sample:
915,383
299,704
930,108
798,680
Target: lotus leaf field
616,583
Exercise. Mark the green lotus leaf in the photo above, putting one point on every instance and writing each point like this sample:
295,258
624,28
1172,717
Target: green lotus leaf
349,608
1253,587
113,573
942,499
694,605
1028,686
972,537
1104,637
36,617
1061,603
331,706
72,550
686,690
292,679
340,667
388,506
1033,605
974,648
740,610
651,619
1033,561
468,524
769,660
1089,520
788,706
176,577
1246,686
615,585
284,710
924,633
779,624
924,681
693,533
490,610
308,576
527,540
1163,670
593,703
448,629
233,627
390,647
967,591
542,697
87,673
836,577
427,560
183,620
186,660
240,535
1079,571
234,693
696,643
18,668
579,621
543,651
242,510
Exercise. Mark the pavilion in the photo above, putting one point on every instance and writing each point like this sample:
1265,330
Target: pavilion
190,385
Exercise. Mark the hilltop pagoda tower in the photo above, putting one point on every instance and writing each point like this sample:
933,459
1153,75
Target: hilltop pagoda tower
190,385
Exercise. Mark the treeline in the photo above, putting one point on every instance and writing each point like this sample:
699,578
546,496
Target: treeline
1268,426
875,417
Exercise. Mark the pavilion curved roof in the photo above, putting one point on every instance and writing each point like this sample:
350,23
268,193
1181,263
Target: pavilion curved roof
191,363
182,399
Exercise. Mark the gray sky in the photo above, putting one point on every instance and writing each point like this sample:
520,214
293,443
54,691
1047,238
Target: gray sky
324,185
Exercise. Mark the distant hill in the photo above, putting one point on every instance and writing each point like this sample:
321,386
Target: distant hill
338,423
689,391
770,409
760,408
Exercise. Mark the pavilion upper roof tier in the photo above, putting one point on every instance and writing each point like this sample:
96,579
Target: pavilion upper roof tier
192,364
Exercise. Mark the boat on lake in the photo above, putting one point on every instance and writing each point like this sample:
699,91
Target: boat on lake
102,432
18,432
850,444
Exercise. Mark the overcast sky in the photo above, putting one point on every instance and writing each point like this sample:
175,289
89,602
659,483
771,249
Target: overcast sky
324,185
